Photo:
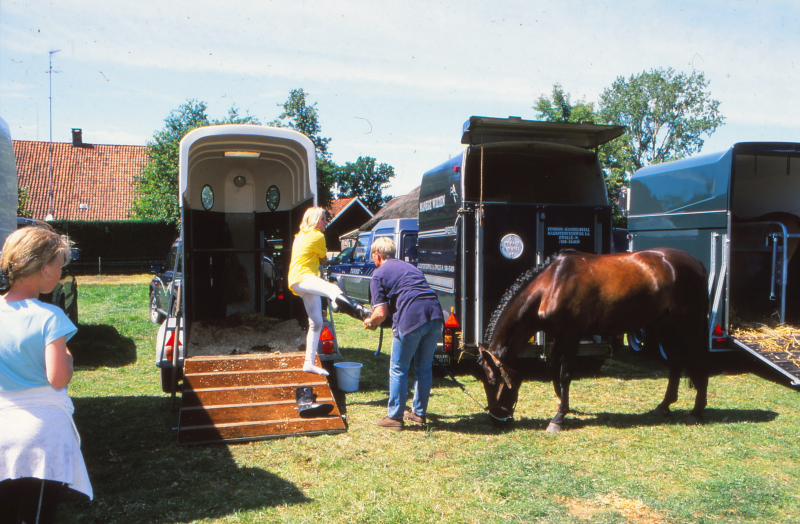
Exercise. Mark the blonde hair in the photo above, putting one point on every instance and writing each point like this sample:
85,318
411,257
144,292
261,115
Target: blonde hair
311,218
385,246
27,250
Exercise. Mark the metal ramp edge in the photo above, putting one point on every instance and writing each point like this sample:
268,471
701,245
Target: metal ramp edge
255,403
786,362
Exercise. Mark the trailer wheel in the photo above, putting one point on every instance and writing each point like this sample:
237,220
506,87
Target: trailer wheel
636,341
155,316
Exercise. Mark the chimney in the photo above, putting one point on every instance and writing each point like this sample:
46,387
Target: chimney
77,137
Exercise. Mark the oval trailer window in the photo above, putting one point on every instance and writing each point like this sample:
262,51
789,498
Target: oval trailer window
207,197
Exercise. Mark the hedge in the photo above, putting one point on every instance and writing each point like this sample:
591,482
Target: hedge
117,246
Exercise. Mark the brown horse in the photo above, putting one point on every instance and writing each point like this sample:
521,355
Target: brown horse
577,295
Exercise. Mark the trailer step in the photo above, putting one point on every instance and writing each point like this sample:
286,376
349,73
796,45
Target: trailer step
250,397
786,361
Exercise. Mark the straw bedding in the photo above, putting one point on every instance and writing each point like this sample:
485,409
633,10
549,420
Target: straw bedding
771,336
243,333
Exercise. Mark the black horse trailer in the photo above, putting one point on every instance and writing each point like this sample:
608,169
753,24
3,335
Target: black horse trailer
521,191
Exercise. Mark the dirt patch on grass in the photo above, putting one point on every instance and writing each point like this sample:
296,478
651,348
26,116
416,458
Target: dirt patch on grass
143,278
634,511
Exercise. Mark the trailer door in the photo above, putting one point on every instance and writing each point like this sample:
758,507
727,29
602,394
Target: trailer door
514,238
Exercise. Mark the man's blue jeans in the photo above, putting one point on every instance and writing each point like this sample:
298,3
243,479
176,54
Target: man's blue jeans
420,345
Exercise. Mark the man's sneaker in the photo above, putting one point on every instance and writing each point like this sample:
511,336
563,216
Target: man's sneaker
390,423
414,418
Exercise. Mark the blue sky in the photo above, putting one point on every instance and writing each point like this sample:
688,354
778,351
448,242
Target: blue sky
392,80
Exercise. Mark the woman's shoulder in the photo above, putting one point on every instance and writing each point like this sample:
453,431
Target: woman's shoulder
33,308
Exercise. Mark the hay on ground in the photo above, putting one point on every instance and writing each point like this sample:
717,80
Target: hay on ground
243,333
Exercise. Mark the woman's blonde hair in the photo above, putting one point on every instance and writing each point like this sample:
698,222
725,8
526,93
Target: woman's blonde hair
385,246
311,218
27,250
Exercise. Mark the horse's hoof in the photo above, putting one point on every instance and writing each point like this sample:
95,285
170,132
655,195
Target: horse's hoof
691,420
554,428
661,412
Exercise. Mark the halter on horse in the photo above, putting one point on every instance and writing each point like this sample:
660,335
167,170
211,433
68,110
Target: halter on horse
578,295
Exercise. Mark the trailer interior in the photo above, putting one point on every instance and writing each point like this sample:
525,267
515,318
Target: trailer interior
764,235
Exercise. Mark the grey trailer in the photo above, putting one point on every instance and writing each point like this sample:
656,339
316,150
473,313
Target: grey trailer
737,212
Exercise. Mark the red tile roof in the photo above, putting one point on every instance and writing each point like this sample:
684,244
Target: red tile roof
337,206
97,175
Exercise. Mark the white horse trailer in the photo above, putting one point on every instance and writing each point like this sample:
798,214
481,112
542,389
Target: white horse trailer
243,191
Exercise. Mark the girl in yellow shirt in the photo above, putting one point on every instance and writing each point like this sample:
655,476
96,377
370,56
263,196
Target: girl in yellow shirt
308,252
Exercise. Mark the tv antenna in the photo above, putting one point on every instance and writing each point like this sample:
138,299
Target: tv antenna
50,72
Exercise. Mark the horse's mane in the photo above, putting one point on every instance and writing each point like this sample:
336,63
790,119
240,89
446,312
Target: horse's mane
522,281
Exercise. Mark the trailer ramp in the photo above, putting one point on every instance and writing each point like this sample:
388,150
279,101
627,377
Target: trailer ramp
785,359
250,397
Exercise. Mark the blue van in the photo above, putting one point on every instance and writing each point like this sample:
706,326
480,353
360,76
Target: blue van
352,269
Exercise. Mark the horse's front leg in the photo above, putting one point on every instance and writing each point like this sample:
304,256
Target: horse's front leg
554,368
561,383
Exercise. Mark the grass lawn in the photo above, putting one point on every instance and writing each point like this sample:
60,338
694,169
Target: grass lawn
614,464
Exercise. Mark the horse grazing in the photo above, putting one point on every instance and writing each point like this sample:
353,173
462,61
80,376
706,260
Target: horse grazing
577,295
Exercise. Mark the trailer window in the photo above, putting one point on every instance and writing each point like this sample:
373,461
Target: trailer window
207,197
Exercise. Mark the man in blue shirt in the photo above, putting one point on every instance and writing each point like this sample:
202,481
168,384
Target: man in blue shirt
400,289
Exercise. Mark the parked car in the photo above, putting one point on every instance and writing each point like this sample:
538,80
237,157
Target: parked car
160,297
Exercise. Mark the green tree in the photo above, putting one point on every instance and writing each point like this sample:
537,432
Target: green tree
365,179
23,199
560,108
665,113
304,118
156,186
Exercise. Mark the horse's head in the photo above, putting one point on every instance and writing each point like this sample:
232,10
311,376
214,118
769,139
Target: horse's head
501,384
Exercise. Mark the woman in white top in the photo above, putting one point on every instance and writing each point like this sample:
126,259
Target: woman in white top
39,444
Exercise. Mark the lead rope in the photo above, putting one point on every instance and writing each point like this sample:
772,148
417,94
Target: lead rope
459,384
464,389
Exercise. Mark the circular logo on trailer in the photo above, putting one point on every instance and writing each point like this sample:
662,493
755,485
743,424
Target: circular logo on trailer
511,246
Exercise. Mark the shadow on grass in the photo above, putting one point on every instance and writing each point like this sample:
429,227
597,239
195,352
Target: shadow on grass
95,346
480,423
139,474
